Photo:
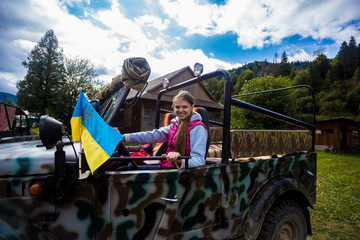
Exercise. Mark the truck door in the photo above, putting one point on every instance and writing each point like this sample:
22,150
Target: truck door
162,204
137,202
239,184
199,211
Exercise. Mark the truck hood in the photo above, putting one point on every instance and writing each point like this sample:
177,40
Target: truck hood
29,158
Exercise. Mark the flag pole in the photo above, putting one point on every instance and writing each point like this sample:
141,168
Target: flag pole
81,174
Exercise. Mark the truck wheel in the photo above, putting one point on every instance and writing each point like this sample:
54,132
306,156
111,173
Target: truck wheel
284,221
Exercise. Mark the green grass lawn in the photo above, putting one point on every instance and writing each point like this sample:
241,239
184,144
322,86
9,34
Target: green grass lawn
337,211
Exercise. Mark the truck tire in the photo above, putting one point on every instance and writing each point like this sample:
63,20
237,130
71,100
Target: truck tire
284,221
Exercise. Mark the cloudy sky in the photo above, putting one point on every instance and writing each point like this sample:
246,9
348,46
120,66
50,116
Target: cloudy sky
172,34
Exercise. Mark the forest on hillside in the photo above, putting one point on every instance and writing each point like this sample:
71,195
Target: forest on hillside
336,83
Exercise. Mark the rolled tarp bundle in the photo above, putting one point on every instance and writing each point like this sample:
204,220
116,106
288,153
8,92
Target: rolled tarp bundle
134,74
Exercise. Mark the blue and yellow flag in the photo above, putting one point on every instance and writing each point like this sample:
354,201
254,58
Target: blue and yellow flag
99,140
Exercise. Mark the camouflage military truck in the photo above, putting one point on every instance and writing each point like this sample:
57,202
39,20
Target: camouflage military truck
259,187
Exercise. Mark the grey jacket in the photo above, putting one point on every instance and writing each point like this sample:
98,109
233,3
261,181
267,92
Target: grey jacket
198,139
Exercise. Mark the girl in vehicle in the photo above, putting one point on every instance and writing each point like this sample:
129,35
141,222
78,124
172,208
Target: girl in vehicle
186,135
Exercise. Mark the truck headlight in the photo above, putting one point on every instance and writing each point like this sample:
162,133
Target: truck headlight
51,131
198,69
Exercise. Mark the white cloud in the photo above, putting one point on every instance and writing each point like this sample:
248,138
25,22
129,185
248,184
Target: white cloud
8,81
24,45
258,22
188,57
301,55
188,13
153,22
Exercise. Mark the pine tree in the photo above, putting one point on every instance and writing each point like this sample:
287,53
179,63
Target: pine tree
348,57
352,58
318,70
340,61
45,77
285,67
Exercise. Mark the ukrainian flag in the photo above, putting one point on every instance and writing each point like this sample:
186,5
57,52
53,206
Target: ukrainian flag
99,140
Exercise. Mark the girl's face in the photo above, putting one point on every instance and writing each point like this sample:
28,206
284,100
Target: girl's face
182,109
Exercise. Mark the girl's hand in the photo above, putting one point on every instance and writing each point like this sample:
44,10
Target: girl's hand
173,156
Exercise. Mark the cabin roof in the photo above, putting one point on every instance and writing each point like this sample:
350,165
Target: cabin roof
155,85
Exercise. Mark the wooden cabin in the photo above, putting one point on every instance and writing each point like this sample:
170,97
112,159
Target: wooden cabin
141,117
342,133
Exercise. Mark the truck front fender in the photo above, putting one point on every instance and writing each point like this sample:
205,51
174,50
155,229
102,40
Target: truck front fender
275,189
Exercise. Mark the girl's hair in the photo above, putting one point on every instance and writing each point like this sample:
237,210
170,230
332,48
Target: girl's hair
184,95
181,136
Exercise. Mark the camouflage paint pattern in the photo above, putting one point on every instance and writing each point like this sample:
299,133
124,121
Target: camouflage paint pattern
251,143
209,202
216,134
254,143
28,158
